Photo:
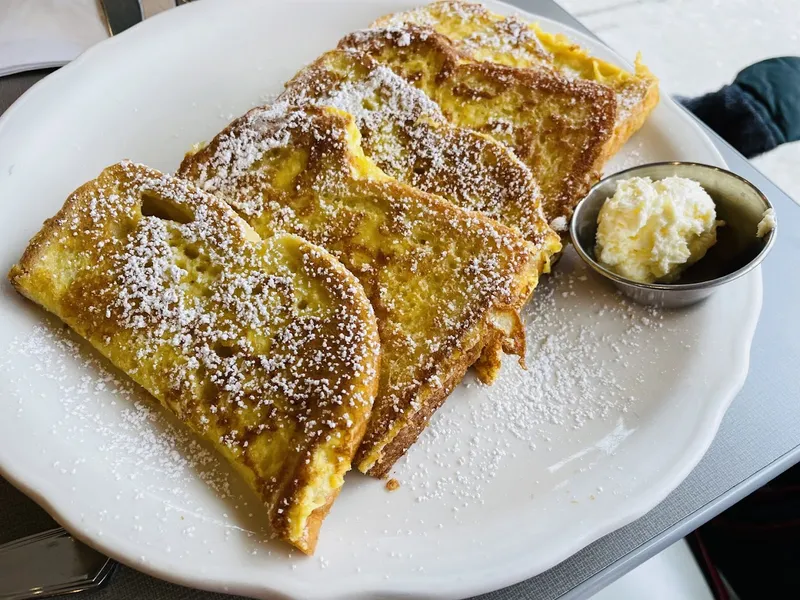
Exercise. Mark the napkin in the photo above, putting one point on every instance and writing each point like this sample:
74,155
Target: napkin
36,34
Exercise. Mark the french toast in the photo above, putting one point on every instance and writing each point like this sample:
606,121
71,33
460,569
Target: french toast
267,348
558,127
406,135
446,284
486,36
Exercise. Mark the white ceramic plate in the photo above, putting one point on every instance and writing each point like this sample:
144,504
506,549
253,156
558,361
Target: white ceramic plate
617,407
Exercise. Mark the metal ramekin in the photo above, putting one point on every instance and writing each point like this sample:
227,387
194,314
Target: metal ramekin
737,251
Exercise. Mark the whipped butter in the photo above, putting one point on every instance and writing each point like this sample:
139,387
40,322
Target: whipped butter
767,223
652,230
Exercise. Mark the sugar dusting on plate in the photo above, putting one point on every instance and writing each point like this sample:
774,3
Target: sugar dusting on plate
572,379
138,437
139,442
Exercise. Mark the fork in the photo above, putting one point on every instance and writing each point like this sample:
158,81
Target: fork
48,564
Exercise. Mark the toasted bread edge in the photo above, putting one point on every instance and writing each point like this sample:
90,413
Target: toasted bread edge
22,273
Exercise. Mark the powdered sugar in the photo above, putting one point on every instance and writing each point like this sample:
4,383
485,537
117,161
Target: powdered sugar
573,379
435,273
510,36
513,41
409,138
514,105
261,346
138,438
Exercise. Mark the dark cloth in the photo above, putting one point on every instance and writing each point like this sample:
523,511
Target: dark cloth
759,111
755,544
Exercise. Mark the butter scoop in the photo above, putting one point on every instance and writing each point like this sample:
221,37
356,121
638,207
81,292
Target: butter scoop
650,231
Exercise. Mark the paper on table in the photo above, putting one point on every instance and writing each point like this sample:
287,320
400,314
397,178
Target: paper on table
36,34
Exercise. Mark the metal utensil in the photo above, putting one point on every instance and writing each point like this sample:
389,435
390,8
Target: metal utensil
737,251
49,564
121,14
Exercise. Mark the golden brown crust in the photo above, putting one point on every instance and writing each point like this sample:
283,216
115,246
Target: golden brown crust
635,115
179,293
418,421
31,257
309,541
485,36
557,126
439,277
408,137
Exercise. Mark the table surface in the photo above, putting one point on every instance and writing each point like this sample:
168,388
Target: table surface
759,437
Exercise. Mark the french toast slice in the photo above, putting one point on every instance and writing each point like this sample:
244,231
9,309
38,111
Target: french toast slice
406,135
558,127
446,284
267,348
487,36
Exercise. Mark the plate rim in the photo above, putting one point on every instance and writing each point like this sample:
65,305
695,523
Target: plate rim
36,487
